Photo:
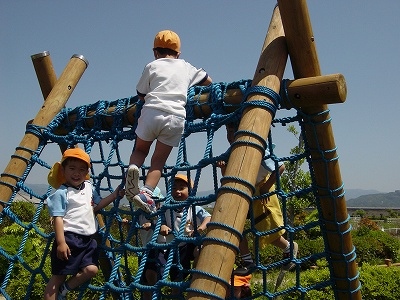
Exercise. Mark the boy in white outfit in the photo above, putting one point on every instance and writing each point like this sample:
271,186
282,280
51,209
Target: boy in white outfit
163,87
74,250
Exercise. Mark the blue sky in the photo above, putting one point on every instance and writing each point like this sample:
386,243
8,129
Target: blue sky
358,39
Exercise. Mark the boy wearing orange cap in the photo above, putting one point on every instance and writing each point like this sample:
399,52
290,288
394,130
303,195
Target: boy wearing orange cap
74,250
163,88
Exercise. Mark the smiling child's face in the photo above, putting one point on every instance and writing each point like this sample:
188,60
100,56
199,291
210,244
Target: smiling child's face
75,172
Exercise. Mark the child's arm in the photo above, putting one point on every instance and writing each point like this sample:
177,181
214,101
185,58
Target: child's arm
63,251
203,225
222,165
265,188
110,198
207,81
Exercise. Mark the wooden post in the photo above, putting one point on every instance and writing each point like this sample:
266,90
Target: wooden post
47,79
55,101
231,207
44,72
320,140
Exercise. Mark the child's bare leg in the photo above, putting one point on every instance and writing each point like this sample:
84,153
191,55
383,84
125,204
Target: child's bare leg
284,244
160,156
140,152
52,287
281,243
151,278
86,274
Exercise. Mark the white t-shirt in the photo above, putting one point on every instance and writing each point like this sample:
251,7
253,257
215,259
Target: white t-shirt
164,84
75,206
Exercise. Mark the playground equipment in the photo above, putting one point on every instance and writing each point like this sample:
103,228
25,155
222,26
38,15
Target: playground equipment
209,108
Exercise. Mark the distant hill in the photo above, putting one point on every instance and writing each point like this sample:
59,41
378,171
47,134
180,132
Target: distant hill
354,193
381,200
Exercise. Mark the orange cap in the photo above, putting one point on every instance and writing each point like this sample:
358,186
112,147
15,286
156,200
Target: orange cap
56,177
184,178
167,39
241,280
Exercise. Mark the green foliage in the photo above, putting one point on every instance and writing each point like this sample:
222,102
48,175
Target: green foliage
31,254
25,211
295,178
380,283
374,245
310,278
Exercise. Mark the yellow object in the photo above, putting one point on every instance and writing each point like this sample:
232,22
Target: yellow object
241,280
267,215
56,176
184,178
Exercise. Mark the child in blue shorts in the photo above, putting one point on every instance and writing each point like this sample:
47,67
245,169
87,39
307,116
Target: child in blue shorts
74,250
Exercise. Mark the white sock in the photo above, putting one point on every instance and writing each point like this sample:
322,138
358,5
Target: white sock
64,289
287,249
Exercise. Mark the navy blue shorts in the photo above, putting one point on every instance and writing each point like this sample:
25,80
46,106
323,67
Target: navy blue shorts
185,257
156,260
83,253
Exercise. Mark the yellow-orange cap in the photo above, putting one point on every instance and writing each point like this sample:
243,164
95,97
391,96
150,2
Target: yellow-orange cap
184,178
167,39
241,280
56,177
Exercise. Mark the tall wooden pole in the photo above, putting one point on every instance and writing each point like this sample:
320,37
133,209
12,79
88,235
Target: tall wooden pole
47,79
320,141
231,207
55,101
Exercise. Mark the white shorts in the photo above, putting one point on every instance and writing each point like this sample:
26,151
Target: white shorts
155,124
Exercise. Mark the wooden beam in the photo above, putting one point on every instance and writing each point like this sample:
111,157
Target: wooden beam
55,101
324,158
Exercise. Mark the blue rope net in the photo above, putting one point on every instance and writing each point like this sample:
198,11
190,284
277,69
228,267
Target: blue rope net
103,129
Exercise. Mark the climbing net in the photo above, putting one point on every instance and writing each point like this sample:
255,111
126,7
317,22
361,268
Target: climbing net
103,133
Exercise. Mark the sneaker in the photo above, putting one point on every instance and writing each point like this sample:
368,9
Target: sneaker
61,297
245,270
144,202
132,182
61,292
290,265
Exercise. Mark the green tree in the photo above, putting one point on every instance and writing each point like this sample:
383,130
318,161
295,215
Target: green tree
296,178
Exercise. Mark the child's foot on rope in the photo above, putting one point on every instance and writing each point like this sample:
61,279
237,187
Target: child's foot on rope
132,182
145,202
290,265
245,269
